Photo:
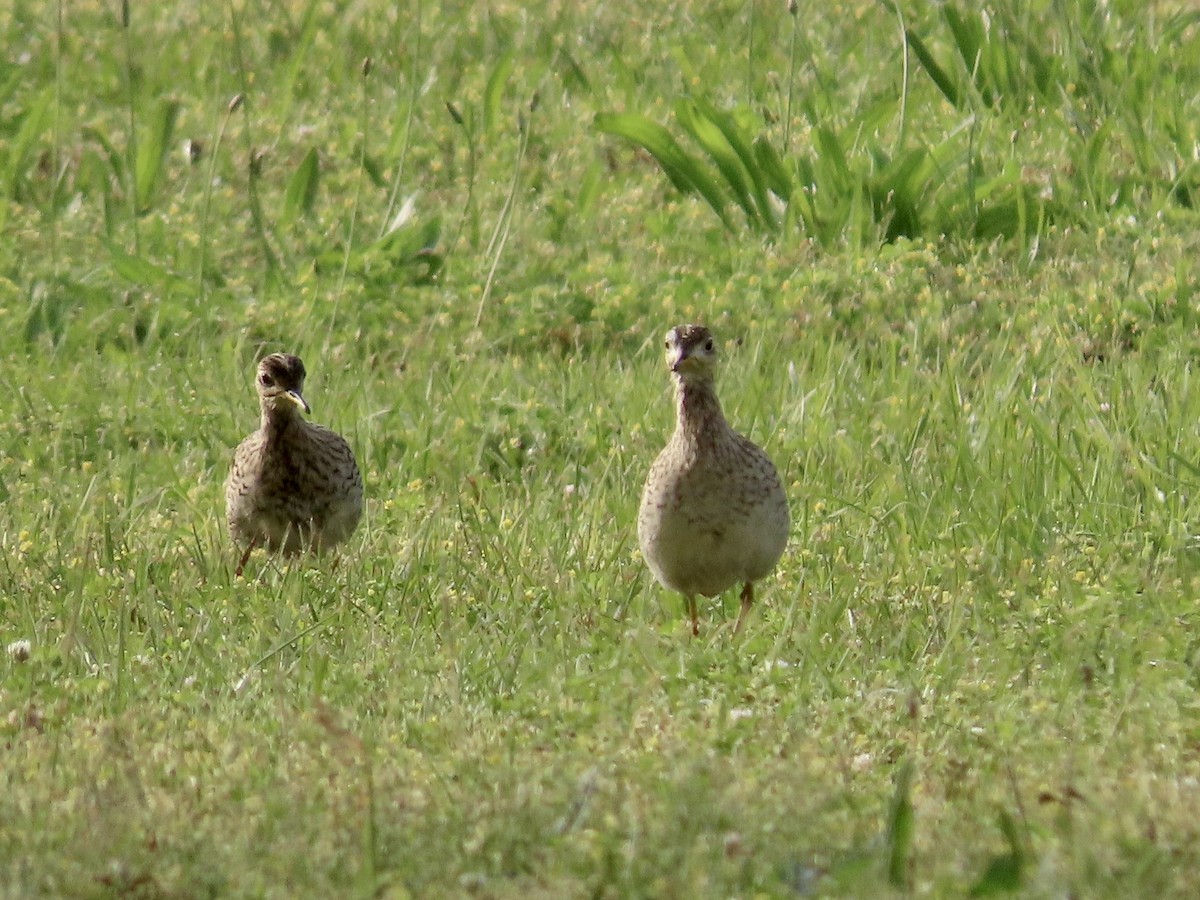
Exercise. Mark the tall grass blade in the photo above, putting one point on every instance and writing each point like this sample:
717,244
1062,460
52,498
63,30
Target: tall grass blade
33,123
900,828
493,94
901,191
131,143
415,55
683,171
470,210
254,157
307,190
407,254
793,9
56,144
111,155
1005,873
301,193
234,104
944,82
47,312
833,155
152,152
772,168
970,40
15,78
742,144
705,132
500,234
297,55
144,273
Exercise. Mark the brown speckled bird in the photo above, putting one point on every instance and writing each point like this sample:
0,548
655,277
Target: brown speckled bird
713,509
293,485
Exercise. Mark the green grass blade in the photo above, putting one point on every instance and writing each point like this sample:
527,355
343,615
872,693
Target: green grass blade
684,172
493,94
408,254
15,77
301,193
296,48
704,131
968,38
900,828
901,191
111,155
743,145
34,121
1005,872
144,273
944,82
833,156
772,168
152,151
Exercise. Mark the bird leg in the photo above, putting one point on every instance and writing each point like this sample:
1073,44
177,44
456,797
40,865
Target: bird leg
245,556
691,608
747,602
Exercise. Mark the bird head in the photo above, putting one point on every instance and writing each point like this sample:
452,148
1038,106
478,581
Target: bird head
280,383
691,352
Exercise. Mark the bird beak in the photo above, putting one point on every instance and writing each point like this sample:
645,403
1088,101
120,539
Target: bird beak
296,398
683,363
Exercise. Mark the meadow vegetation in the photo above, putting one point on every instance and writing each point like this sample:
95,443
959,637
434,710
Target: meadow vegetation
949,253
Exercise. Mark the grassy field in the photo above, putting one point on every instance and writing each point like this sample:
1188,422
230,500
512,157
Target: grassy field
950,258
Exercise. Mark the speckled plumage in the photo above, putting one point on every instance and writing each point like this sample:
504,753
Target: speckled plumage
293,485
713,510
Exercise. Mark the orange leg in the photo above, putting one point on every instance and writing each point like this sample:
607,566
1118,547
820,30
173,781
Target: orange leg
747,602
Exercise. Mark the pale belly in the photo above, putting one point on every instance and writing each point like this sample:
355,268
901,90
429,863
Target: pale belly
694,557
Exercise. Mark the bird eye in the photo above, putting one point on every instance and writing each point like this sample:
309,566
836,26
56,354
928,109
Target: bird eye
265,380
667,343
708,346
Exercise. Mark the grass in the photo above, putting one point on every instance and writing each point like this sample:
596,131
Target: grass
975,669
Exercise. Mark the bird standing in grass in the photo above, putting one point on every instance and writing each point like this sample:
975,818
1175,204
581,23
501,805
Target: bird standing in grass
713,509
293,485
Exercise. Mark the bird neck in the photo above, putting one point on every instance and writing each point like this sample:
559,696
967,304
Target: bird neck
277,421
699,409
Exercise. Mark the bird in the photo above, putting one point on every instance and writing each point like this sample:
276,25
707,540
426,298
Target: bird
713,511
293,485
